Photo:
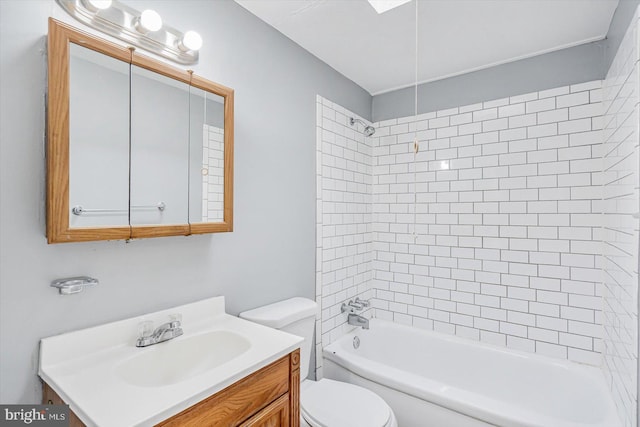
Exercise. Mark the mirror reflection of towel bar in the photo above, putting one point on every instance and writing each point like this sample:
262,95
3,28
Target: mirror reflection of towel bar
79,210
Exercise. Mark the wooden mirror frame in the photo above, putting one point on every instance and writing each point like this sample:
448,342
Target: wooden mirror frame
227,94
58,228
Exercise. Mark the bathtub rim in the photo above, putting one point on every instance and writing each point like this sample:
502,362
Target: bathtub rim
458,399
339,373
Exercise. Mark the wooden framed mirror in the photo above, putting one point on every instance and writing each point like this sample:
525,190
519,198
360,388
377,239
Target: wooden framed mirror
135,148
211,122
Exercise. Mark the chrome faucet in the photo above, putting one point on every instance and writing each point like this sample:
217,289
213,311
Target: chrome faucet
164,332
357,320
353,318
354,306
365,303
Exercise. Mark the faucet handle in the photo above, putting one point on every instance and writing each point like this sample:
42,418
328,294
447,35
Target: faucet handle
145,329
175,320
351,306
363,302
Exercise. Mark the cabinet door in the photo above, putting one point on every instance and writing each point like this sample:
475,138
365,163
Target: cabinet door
211,157
87,137
159,176
274,415
98,139
238,402
206,183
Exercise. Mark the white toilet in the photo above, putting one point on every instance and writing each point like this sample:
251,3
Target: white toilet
323,403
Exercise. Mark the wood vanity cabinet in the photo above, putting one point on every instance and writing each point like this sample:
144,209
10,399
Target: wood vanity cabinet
267,398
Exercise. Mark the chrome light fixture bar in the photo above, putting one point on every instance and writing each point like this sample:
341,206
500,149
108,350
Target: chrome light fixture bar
142,29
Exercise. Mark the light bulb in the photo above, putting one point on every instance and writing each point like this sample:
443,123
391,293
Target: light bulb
190,41
149,20
382,6
97,5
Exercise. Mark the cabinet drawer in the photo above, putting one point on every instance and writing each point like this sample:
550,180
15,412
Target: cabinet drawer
238,402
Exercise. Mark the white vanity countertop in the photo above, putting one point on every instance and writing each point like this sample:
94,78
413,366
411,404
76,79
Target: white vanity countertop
81,366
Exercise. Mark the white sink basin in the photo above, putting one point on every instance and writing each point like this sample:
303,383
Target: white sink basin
177,360
109,382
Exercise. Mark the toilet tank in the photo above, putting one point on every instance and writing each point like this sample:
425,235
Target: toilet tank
296,316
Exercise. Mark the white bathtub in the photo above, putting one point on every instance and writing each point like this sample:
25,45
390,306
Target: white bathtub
435,380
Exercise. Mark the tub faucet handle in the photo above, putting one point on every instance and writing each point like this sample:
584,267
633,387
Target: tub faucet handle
363,302
351,307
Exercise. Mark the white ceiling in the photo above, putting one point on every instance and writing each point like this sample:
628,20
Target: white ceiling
455,36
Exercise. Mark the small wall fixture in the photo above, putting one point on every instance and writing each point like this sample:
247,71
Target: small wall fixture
73,285
142,29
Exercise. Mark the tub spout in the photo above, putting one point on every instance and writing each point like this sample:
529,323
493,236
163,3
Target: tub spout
357,320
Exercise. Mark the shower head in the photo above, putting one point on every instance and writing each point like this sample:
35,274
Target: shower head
368,130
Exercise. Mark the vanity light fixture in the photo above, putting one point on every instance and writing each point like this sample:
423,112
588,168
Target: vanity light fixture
144,30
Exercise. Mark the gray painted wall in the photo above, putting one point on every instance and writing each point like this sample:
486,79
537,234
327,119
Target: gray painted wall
573,65
577,64
269,256
619,25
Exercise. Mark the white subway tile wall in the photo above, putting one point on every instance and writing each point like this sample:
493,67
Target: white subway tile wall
620,229
344,223
490,231
512,224
496,241
213,173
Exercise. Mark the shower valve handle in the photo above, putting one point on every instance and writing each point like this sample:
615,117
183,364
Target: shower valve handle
351,307
363,302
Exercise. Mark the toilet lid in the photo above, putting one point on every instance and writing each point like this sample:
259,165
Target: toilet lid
331,403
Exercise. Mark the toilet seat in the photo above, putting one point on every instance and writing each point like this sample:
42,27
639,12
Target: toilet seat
328,403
